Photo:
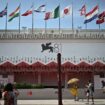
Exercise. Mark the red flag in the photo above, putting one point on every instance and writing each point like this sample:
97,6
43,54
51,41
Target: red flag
101,14
101,18
100,21
28,12
83,10
48,15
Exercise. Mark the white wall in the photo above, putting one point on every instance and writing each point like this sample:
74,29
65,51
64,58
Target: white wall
68,50
97,82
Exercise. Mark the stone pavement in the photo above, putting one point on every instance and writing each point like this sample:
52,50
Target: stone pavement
55,102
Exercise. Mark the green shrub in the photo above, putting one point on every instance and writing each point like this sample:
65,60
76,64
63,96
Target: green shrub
28,86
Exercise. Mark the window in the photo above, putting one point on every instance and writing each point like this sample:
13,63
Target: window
102,75
5,76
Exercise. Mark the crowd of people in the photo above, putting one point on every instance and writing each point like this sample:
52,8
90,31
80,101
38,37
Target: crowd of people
9,93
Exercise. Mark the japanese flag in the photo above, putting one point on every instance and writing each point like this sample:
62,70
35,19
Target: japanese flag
66,11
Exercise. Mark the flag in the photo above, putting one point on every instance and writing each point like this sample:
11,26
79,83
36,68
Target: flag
14,14
48,15
93,14
101,18
66,11
52,15
40,9
100,21
3,12
101,14
56,13
83,10
28,12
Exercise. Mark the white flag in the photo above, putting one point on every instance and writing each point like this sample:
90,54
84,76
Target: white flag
66,11
40,8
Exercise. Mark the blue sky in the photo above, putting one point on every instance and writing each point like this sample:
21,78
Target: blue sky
39,22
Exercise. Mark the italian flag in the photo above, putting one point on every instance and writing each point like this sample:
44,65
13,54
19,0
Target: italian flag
52,15
14,14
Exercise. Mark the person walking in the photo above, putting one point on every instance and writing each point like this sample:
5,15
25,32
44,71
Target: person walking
74,91
16,92
90,91
103,85
9,95
0,95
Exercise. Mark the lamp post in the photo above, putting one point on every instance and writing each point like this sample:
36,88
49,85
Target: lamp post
59,80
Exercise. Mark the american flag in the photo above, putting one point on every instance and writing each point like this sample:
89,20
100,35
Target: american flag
3,12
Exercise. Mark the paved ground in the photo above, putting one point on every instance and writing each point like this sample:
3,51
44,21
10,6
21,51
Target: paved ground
55,102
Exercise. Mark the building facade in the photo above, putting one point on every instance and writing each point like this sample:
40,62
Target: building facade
32,58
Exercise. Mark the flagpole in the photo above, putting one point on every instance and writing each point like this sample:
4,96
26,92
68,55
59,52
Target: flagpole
72,18
99,28
32,17
86,26
19,17
6,22
45,24
98,13
85,14
59,19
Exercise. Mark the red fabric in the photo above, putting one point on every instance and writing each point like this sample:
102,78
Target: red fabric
27,13
100,21
47,15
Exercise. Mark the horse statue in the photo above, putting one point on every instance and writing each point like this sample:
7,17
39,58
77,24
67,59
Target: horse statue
47,47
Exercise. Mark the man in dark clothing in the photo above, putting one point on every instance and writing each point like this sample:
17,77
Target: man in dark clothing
103,85
90,88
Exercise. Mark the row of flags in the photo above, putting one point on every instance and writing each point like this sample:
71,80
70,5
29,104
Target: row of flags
91,15
48,15
56,12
